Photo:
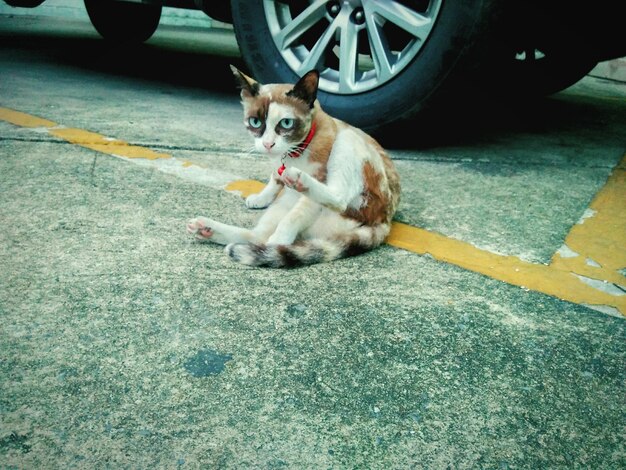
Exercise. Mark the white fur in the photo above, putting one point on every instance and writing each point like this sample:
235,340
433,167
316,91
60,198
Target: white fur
344,183
306,208
279,145
222,233
265,197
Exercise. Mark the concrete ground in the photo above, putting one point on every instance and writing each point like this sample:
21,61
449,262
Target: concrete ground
126,344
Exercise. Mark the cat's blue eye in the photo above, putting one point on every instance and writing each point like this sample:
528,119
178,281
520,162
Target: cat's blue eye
287,123
255,122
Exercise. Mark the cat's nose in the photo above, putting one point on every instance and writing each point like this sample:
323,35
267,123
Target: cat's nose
269,145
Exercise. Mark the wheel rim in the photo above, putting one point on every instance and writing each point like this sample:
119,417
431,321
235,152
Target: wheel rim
357,45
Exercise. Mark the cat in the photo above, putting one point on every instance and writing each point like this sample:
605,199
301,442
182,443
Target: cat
333,190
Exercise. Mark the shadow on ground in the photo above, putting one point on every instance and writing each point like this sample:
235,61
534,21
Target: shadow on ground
472,116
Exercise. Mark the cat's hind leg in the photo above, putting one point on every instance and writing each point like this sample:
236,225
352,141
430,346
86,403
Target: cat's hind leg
223,234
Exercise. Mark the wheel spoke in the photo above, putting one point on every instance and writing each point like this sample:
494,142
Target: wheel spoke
381,55
321,46
348,55
301,24
327,36
412,22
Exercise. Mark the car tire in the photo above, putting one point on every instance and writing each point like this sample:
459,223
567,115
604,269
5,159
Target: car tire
438,64
24,3
126,22
532,74
541,48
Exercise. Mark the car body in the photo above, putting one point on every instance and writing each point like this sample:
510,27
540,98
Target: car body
386,61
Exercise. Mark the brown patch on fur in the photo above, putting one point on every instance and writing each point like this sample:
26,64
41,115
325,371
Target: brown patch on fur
393,183
382,191
392,178
375,209
256,107
279,95
321,174
322,143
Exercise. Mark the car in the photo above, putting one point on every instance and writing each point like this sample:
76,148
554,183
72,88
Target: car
386,61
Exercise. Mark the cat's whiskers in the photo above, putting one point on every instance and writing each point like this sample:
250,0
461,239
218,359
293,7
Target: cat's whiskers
293,148
293,232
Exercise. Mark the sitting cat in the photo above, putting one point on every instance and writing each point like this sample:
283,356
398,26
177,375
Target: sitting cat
339,188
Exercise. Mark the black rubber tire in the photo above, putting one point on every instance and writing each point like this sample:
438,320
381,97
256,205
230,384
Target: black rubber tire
125,22
567,38
438,64
24,3
545,76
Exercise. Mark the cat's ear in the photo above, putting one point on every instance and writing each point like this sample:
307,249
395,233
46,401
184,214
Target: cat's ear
249,87
306,88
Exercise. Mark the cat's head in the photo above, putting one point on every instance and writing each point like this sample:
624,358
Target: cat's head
279,116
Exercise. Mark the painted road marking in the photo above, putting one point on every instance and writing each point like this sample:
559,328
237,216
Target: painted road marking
24,120
164,162
602,236
107,145
588,270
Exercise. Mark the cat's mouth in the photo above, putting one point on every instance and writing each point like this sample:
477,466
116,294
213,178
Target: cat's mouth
273,151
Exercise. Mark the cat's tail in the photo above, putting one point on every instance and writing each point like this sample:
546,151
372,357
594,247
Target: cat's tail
310,251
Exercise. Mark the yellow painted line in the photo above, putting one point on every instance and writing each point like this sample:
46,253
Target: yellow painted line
245,187
600,241
601,237
510,269
100,143
542,278
23,120
81,137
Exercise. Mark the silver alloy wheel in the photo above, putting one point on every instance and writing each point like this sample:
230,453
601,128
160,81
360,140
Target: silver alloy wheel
357,45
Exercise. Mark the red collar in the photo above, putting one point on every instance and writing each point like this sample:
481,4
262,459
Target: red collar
302,147
299,150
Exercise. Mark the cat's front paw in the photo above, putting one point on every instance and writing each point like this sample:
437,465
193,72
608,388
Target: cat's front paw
200,227
293,178
256,201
